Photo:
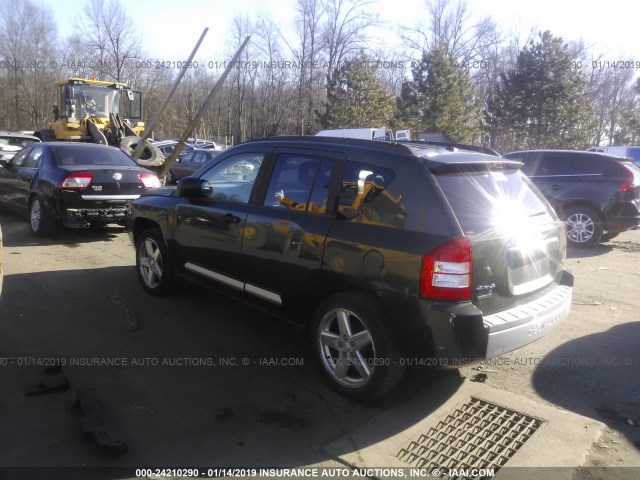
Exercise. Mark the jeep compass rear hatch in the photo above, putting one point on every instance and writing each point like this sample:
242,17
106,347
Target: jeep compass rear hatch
517,242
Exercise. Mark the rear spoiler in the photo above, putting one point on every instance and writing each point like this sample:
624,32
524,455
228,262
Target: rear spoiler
477,166
452,146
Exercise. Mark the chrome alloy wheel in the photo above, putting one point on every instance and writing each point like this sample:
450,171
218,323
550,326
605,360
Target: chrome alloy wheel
346,348
580,227
36,215
150,263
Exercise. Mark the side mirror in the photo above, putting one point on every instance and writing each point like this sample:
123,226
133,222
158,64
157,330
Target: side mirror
4,164
193,187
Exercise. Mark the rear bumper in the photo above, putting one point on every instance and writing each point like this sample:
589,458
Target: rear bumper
461,334
95,215
622,216
74,208
519,326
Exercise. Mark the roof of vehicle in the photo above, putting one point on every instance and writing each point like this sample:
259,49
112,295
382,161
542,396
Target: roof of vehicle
573,152
18,135
208,150
78,145
439,153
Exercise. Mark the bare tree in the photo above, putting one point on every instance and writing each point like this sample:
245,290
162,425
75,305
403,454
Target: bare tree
451,27
29,55
110,37
309,15
345,35
274,94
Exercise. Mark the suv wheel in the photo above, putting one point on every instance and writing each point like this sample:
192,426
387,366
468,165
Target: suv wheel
354,347
40,220
153,262
584,226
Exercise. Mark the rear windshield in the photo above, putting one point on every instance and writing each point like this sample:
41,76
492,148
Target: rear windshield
486,200
21,142
78,155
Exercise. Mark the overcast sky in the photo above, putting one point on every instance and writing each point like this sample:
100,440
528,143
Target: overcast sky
171,28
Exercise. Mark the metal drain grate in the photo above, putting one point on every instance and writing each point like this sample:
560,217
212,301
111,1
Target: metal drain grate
478,436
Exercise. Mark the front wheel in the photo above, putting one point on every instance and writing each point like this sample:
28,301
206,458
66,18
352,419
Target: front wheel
153,263
354,346
584,226
40,220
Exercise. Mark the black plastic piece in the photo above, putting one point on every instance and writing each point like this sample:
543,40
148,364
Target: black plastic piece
48,385
98,422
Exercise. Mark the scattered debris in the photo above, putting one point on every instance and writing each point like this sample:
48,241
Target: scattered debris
479,378
49,385
52,370
130,314
98,421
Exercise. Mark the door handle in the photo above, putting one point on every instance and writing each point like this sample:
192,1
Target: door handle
555,186
228,218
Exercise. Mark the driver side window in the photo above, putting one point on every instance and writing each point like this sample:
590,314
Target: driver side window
232,179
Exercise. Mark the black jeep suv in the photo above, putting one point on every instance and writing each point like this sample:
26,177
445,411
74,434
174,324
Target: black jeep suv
393,255
593,192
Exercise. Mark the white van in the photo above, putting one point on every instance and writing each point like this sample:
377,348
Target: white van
366,134
632,152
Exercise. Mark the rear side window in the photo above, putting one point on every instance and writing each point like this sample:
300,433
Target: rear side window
483,200
78,155
34,157
562,165
20,157
361,185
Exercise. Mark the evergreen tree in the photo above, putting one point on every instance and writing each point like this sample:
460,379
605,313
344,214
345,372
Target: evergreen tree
358,99
440,98
543,102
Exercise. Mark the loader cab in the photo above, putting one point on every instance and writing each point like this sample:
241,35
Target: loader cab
81,101
78,98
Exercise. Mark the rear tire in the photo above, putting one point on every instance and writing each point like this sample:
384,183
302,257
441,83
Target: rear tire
584,226
355,347
41,221
153,263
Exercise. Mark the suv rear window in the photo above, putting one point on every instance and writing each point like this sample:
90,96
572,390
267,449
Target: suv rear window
484,199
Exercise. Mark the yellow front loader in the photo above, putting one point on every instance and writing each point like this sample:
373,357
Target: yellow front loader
110,113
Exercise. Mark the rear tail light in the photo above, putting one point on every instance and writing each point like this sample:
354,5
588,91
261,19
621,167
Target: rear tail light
149,180
446,271
77,180
632,179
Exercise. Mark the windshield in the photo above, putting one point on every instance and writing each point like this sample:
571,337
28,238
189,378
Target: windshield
92,101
